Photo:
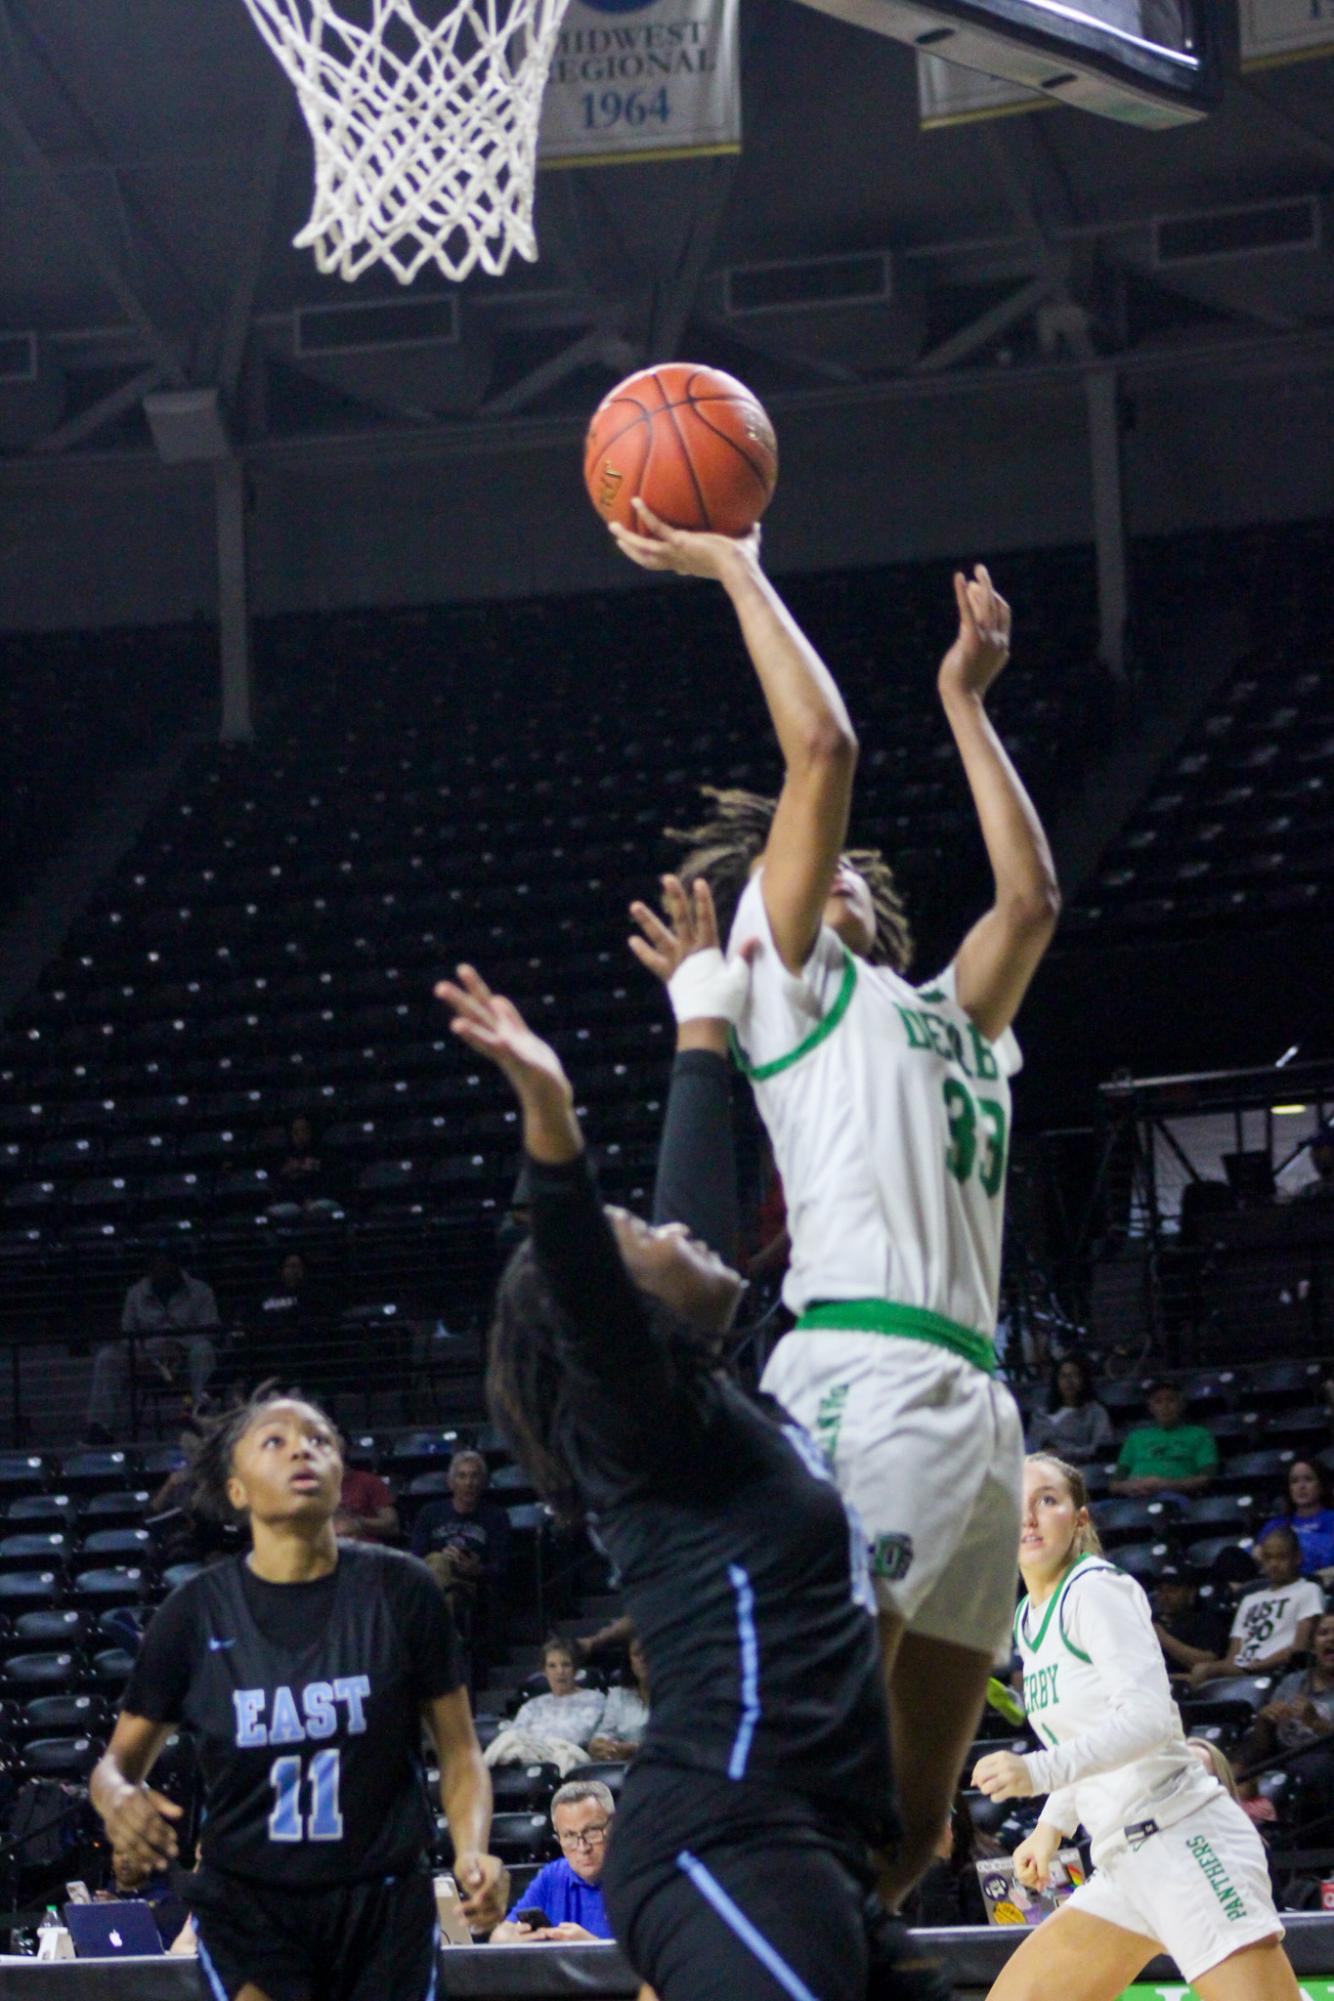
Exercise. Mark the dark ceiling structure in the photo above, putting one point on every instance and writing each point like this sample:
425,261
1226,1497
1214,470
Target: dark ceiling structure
154,169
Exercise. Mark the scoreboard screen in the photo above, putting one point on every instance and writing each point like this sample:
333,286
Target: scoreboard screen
1151,62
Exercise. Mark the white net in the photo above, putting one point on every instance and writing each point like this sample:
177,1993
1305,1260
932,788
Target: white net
425,129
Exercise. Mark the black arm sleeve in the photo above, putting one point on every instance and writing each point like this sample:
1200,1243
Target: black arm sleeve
160,1678
619,1377
696,1182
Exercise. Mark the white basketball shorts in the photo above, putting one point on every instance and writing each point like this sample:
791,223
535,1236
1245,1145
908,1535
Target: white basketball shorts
1199,1888
929,1450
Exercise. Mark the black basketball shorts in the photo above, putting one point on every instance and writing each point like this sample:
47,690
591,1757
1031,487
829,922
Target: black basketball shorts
371,1941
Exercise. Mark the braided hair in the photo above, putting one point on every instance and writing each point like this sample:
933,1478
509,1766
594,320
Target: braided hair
219,1438
525,1375
725,846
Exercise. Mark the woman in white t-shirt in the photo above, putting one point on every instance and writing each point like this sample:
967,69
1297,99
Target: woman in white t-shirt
569,1714
889,1111
625,1712
1177,1866
1274,1622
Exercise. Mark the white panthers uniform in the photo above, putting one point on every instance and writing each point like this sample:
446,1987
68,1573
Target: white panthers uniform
889,1115
1176,1860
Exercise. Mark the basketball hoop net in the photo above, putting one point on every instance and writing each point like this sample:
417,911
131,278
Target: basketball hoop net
425,136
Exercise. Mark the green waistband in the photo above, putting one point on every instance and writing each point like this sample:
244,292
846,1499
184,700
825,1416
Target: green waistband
883,1316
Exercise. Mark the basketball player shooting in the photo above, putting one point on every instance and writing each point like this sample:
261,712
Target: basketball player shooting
888,1107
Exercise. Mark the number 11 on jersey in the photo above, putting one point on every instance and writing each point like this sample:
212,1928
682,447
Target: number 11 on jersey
324,1821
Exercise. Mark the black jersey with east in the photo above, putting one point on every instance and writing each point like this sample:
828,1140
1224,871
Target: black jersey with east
304,1701
742,1567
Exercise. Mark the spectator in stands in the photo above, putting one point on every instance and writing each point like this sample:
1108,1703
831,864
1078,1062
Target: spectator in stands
1188,1631
1261,1812
1074,1424
566,1893
566,1710
465,1543
465,1539
300,1177
1274,1621
171,1318
1302,1709
949,1893
1167,1456
132,1883
1306,1510
366,1511
287,1329
625,1712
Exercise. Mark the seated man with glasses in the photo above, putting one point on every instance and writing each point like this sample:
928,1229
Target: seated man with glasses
563,1903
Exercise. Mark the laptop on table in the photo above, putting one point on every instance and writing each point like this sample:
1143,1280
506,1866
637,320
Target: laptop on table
113,1931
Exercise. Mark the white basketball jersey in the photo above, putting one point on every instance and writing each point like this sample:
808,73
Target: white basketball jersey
1097,1695
890,1120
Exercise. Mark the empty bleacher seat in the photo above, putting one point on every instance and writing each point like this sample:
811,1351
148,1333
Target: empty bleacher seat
525,1788
28,1590
46,1670
41,1551
62,1757
522,1837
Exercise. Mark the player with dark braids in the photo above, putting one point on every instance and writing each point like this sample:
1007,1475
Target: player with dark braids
727,846
305,1671
888,1107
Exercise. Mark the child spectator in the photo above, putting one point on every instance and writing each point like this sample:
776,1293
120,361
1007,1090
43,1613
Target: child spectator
1274,1621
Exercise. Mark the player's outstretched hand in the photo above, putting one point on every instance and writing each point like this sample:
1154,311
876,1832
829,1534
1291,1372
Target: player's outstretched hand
690,552
139,1823
484,1886
1033,1858
493,1026
1002,1776
983,643
691,926
683,953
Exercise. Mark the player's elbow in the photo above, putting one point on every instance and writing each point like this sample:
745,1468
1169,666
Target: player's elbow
829,741
1034,910
828,747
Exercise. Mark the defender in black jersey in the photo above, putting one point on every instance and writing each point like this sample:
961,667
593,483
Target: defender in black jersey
305,1672
740,1869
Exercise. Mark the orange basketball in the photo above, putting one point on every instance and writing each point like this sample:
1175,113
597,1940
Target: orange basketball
692,443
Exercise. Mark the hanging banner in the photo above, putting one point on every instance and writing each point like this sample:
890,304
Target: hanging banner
635,79
1279,31
949,94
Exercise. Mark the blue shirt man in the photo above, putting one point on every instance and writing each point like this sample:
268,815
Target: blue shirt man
568,1891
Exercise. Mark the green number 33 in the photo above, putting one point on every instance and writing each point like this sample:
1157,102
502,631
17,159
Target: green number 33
964,1111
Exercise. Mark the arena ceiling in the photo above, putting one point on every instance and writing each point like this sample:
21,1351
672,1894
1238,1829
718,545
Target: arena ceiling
154,169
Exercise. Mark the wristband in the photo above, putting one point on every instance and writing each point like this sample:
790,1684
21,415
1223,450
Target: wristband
708,987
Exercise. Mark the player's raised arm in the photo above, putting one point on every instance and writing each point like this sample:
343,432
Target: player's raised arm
814,731
1001,953
137,1820
696,1177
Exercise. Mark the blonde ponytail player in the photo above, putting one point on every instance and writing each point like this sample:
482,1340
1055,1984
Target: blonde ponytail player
1178,1867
